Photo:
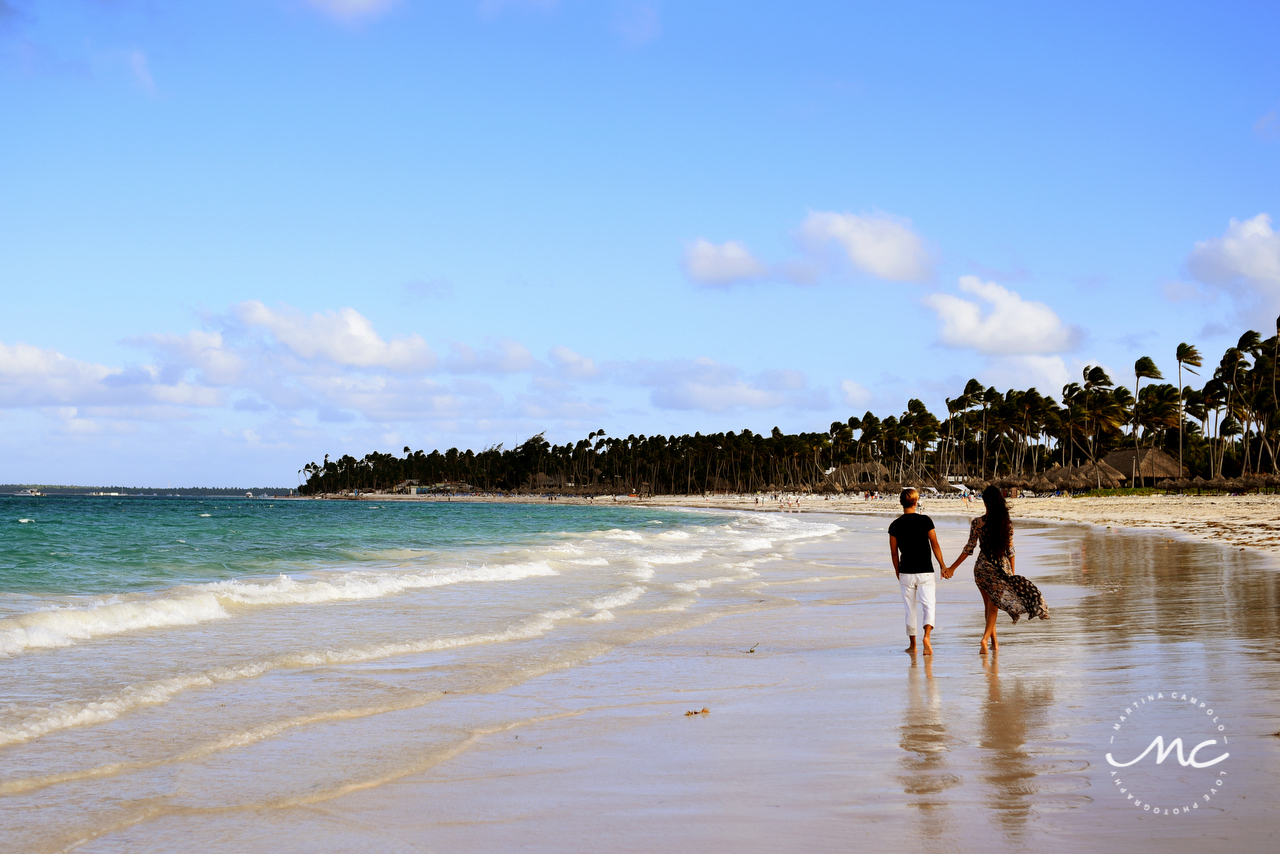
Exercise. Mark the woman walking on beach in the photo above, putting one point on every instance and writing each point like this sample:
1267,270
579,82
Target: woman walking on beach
1002,588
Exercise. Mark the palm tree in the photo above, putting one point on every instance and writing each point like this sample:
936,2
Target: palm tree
1143,368
1189,355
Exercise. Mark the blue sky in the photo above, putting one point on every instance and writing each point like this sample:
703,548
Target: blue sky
236,236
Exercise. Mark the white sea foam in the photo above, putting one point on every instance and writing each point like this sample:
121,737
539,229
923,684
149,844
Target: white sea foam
629,536
66,626
68,715
286,590
617,599
205,515
703,583
589,561
670,558
26,521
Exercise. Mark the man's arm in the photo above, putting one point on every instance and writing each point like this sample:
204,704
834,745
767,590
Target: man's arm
937,552
893,552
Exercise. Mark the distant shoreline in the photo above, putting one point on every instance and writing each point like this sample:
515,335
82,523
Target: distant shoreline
1237,521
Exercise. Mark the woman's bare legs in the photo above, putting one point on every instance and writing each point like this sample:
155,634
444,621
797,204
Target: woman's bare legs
991,611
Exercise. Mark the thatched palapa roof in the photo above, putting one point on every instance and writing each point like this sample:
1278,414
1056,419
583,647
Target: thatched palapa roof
855,473
1147,462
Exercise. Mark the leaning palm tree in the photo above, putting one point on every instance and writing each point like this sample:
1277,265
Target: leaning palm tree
1189,355
1143,368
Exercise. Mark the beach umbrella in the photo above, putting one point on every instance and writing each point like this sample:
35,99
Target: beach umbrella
1061,477
1101,473
1042,484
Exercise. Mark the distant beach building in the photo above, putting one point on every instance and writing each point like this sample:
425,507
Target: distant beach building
451,486
852,474
1145,466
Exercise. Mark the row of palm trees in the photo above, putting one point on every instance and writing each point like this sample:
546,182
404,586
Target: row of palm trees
1228,425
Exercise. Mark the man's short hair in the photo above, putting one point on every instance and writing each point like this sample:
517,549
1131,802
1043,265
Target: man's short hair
909,496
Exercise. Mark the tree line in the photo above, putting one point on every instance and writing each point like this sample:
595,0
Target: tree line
1225,428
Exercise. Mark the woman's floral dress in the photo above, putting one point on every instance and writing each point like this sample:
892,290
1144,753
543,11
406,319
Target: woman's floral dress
1014,594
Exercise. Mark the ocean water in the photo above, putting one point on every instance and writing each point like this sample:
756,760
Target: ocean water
168,654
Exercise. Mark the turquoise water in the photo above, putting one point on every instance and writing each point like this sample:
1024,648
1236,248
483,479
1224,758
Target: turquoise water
208,653
97,545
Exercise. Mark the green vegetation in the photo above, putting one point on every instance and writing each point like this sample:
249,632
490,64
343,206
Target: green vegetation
1227,427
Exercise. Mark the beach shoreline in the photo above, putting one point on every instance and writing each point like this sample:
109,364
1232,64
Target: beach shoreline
1234,521
817,729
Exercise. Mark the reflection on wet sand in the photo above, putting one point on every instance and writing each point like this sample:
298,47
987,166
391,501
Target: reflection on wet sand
1157,588
923,737
1012,715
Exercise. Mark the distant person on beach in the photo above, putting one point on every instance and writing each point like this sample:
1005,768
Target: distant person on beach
1002,588
911,539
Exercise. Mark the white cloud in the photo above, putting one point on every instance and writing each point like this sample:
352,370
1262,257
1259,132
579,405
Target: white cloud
573,364
709,386
203,351
30,376
504,357
721,263
1247,256
855,394
1268,126
142,71
639,23
878,244
353,10
493,8
1011,325
344,337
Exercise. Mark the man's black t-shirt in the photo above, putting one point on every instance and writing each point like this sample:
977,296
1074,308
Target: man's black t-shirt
915,554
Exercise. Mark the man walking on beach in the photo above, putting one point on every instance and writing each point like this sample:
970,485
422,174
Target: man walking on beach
911,538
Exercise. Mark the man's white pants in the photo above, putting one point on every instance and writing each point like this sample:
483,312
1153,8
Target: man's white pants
917,587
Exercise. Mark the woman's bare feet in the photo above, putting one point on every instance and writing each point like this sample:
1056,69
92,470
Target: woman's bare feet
982,647
928,647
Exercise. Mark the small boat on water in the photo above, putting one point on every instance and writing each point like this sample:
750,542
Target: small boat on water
33,491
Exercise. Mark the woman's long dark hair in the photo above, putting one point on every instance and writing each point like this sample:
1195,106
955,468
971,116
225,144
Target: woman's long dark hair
997,531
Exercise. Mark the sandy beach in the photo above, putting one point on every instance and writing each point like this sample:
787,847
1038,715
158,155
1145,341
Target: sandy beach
1243,521
820,733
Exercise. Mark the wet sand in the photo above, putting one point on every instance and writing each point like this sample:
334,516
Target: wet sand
1244,521
829,737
